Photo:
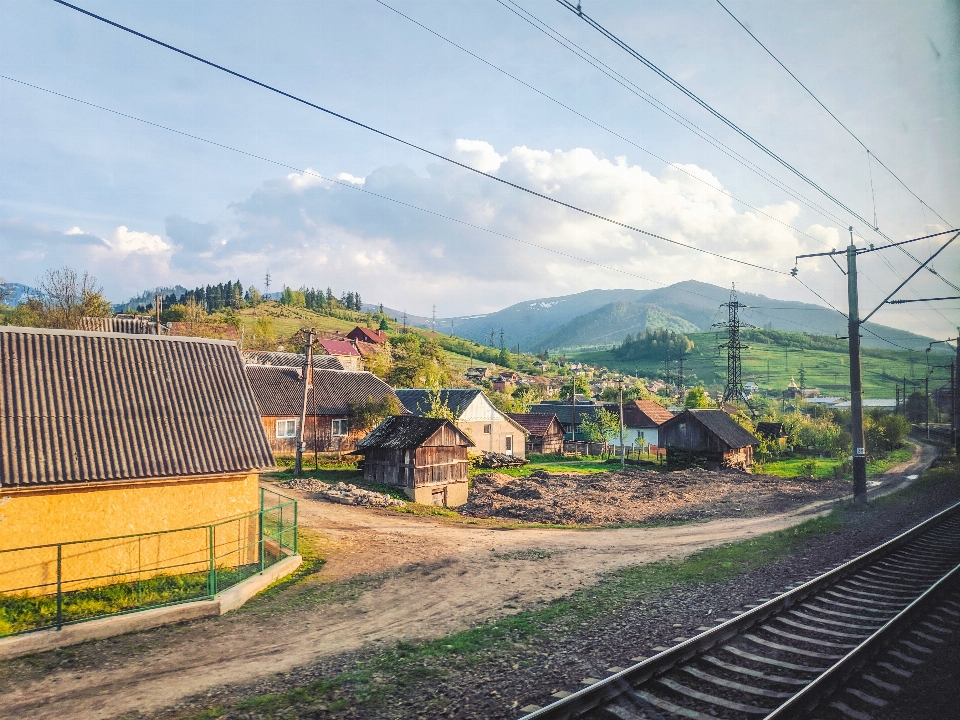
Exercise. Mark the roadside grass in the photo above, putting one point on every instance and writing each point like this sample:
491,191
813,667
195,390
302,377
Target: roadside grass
551,463
795,466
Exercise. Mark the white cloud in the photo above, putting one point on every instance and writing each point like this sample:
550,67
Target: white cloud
479,154
124,242
75,230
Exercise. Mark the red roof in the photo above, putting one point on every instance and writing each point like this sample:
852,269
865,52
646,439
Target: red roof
369,335
339,347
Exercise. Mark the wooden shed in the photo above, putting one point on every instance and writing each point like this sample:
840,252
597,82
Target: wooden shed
427,457
545,433
709,434
773,431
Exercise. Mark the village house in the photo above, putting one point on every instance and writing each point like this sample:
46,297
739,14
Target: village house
709,434
362,334
565,412
288,359
794,391
105,434
475,415
477,373
427,457
544,432
333,394
641,421
343,350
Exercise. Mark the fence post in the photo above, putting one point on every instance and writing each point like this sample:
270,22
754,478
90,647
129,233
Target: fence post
261,531
295,526
59,587
212,573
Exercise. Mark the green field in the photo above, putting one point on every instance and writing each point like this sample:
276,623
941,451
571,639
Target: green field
773,365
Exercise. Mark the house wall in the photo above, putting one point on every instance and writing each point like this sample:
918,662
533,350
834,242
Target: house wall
318,435
63,514
423,473
545,444
350,362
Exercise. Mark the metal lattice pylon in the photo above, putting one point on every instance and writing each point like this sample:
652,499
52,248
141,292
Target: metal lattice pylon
734,387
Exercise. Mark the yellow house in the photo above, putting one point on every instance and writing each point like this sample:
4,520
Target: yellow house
105,435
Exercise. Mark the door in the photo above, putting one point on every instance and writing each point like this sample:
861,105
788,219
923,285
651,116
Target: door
508,445
438,497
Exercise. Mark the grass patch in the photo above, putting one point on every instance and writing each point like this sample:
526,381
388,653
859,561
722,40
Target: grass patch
552,464
823,468
420,510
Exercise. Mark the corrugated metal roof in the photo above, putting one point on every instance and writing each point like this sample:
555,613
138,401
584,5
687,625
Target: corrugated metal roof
721,425
402,432
417,400
279,390
79,406
287,359
564,412
125,325
534,423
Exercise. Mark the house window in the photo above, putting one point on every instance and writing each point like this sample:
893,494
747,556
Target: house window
286,428
487,429
508,444
339,428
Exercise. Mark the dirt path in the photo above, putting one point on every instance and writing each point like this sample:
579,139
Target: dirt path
433,578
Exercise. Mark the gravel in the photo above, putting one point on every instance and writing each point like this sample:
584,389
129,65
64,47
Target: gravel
342,493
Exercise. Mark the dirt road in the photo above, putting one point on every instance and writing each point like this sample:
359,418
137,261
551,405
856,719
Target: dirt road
418,578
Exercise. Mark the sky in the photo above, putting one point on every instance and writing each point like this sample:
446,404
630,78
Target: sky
239,181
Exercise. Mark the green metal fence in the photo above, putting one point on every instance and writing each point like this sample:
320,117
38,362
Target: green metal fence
49,586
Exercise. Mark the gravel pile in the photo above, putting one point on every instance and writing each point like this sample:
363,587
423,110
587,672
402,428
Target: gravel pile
635,495
343,493
494,460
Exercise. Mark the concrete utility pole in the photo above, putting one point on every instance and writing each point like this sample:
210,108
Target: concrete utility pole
856,381
623,461
574,396
158,307
307,384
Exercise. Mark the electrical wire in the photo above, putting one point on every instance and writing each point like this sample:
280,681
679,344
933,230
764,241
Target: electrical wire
849,131
572,47
412,145
718,115
579,114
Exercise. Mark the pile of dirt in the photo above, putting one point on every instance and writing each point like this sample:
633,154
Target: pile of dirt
635,495
342,493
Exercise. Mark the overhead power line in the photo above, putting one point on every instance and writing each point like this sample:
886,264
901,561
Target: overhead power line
593,122
870,153
412,145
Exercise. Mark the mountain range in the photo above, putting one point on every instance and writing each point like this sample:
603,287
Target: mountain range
604,317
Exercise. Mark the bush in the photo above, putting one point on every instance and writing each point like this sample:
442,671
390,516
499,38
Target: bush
808,468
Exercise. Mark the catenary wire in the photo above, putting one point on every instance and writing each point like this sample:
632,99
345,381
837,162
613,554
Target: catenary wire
584,55
849,131
412,145
552,99
354,187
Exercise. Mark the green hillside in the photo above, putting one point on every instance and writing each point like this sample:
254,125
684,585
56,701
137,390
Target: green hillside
608,324
774,358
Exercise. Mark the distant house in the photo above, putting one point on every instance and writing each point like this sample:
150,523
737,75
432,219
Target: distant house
641,420
367,335
279,395
709,434
427,457
565,412
344,351
773,431
478,373
475,415
105,434
544,432
794,391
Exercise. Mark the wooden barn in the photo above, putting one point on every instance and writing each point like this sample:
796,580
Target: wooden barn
773,431
427,457
709,434
544,432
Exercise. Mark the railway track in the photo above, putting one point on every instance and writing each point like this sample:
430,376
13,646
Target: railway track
789,656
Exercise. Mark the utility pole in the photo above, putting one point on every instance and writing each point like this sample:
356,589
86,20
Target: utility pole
926,405
856,381
307,384
680,387
623,461
574,396
734,387
266,283
404,322
158,308
501,339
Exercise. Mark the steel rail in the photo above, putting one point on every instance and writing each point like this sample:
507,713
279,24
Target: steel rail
615,686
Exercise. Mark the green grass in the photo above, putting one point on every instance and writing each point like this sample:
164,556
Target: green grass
792,467
553,464
824,369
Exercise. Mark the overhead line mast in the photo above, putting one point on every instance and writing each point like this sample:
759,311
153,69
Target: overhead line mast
733,390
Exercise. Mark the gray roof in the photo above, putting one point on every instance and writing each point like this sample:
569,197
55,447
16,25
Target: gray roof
417,401
564,412
402,432
279,390
126,325
286,359
81,406
720,424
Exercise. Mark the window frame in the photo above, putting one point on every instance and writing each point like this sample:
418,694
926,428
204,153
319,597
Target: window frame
341,424
488,429
286,423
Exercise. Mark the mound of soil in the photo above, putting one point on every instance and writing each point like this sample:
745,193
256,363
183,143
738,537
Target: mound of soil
635,495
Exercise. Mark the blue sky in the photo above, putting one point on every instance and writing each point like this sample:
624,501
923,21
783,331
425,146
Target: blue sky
139,206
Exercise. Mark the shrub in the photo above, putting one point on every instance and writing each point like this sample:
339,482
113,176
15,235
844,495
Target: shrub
808,468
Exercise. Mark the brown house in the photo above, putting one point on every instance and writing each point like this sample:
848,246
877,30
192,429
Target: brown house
709,434
279,395
545,433
427,457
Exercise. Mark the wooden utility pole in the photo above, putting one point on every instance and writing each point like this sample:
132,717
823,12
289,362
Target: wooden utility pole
158,308
623,461
307,384
856,381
